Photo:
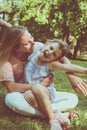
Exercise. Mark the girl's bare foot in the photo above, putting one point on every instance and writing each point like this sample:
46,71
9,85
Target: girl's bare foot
55,125
64,121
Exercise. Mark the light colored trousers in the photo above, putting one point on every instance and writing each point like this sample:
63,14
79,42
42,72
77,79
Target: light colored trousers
63,101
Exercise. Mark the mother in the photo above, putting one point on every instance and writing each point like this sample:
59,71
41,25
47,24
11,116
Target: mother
16,45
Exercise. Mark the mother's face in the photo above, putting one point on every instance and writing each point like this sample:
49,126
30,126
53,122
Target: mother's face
26,43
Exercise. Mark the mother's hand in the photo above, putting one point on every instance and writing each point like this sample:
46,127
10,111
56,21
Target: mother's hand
78,84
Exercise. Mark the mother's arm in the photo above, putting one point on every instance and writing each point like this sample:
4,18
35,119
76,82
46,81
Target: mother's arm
13,86
77,83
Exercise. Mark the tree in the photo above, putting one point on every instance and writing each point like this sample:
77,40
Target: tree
52,18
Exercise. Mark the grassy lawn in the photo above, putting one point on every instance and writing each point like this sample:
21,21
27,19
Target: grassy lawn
10,120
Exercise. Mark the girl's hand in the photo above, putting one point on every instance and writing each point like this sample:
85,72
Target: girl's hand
48,80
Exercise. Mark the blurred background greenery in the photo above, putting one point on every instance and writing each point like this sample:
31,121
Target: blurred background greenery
47,19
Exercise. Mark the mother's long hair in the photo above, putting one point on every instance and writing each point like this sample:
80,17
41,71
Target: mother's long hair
10,40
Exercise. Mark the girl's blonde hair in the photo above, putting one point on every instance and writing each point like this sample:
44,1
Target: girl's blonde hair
10,40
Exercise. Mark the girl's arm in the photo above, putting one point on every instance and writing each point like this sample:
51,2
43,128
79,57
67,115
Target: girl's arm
67,67
47,81
78,84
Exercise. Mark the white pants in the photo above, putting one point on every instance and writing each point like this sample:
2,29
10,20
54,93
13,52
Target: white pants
16,102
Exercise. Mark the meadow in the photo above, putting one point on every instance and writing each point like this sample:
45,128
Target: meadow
10,120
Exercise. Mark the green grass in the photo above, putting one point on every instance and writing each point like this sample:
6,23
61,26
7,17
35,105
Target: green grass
10,120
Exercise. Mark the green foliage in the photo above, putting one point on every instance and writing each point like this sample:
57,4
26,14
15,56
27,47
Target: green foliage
39,10
5,7
52,18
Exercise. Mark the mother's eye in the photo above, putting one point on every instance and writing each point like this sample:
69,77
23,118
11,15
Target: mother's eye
25,44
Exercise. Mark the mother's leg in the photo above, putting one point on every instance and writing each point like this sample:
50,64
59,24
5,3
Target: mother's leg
17,103
64,101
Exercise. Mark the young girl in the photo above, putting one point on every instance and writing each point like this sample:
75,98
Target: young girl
42,64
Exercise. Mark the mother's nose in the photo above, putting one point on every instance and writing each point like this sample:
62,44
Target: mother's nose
32,43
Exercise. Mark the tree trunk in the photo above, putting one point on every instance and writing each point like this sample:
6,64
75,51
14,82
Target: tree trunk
76,48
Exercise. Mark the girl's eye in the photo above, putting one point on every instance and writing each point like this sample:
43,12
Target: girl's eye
51,48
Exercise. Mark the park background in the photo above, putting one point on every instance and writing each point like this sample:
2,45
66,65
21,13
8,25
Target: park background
47,19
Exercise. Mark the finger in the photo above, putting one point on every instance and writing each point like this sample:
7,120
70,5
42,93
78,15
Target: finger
76,90
83,90
84,84
85,80
82,87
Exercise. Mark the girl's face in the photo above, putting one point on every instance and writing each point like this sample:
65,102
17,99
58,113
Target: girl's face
26,43
50,52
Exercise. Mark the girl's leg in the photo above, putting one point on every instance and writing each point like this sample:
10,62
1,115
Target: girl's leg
41,94
30,98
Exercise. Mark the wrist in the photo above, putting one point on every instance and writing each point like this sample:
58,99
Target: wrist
30,86
43,83
69,75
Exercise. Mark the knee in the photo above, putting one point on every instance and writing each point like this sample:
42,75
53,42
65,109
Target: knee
10,98
29,97
37,89
75,99
13,100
